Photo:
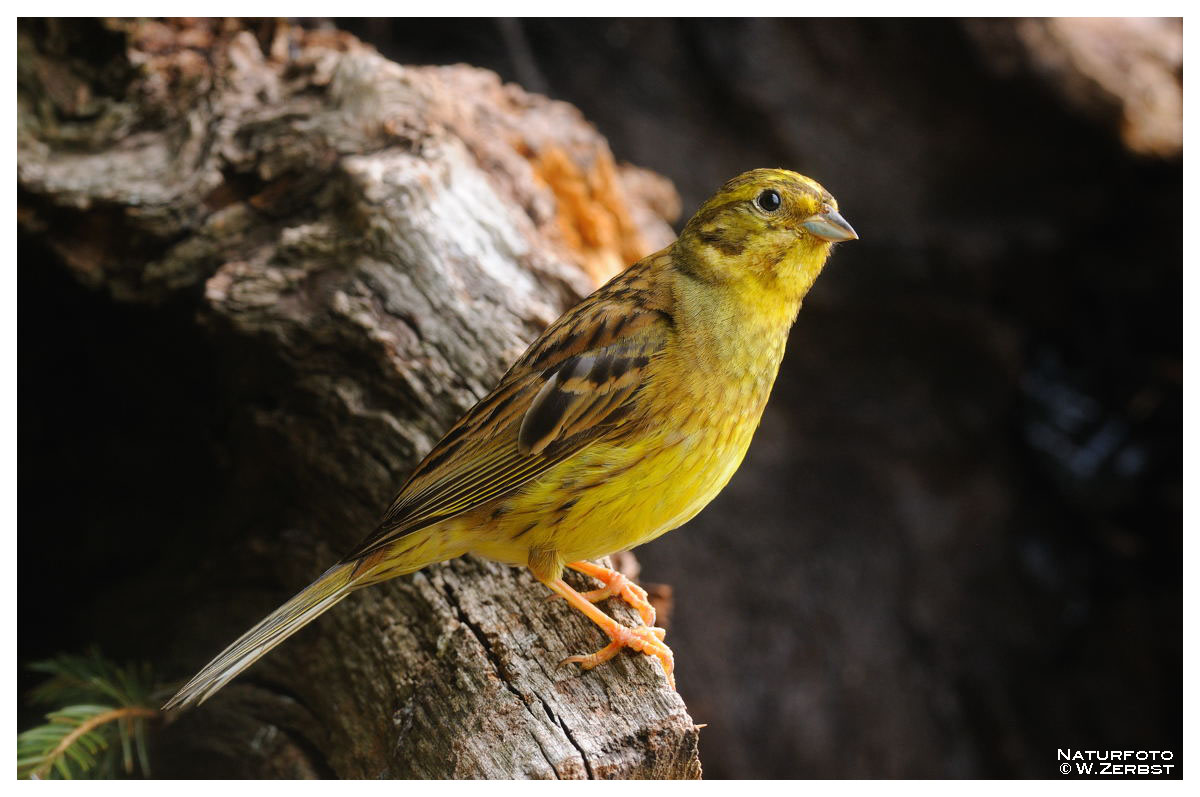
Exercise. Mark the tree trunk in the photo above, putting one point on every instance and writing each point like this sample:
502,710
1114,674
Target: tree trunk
362,248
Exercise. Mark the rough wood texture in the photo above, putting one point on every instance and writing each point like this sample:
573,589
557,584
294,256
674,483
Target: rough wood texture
366,246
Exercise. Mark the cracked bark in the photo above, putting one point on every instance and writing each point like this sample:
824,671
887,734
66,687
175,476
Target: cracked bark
362,247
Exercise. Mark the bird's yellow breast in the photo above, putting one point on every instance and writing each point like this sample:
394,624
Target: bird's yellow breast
626,492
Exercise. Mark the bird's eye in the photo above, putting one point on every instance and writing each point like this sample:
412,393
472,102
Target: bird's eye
769,200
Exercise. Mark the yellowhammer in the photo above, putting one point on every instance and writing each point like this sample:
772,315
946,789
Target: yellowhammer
621,422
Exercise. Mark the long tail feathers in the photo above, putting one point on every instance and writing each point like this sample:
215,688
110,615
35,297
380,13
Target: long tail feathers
319,596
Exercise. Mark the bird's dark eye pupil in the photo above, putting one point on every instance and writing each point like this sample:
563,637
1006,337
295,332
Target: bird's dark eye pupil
769,200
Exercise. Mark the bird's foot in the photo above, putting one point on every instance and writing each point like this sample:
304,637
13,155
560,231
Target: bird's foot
644,639
616,585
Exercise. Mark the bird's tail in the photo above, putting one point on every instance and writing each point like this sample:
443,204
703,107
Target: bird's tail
336,583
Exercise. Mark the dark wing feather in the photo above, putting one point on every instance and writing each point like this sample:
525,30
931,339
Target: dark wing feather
582,392
570,388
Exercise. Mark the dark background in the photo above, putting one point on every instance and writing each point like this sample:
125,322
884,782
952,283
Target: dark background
955,546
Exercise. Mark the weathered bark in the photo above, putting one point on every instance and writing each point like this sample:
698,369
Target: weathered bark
365,247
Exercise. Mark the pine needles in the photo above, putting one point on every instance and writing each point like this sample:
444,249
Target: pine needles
99,731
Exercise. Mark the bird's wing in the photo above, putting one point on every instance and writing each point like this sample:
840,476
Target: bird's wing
571,387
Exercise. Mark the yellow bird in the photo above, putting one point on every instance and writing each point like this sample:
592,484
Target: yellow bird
621,422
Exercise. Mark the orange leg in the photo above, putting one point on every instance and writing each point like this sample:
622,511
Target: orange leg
616,585
644,638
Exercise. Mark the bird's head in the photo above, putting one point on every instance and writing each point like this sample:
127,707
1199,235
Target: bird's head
768,231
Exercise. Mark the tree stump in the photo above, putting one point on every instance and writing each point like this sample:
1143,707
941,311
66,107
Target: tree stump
363,248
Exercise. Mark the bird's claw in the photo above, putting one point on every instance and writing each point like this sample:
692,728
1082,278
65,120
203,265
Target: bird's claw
644,639
618,585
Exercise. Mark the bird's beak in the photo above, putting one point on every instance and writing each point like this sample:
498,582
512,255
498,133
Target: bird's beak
830,226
